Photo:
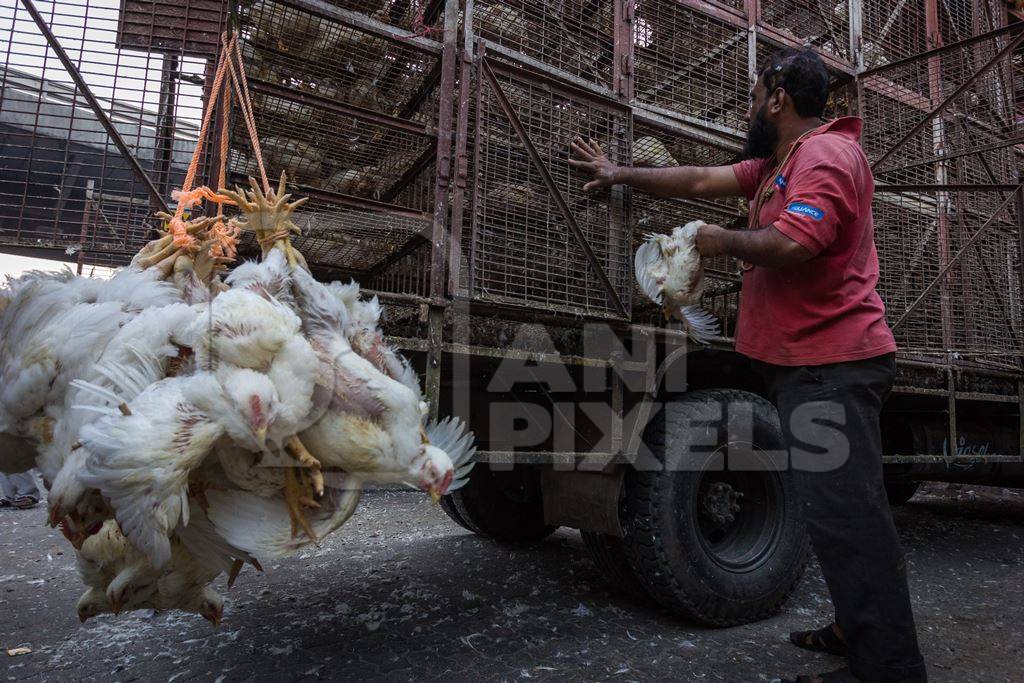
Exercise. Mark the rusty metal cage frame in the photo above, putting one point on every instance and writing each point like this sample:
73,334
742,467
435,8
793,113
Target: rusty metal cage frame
420,227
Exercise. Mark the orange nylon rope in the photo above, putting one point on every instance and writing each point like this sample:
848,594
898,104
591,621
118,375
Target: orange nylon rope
241,87
186,196
224,236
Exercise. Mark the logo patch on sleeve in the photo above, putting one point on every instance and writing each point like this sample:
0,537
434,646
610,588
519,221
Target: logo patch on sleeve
780,181
806,210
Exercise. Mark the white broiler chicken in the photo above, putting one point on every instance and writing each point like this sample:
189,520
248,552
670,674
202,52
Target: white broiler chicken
371,409
53,328
254,386
669,271
143,351
101,558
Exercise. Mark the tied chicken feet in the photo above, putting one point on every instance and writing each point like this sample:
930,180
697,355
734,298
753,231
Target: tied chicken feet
269,216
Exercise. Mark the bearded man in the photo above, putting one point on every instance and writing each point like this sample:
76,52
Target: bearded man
814,328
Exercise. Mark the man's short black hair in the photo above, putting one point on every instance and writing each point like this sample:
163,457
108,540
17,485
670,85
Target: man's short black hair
802,74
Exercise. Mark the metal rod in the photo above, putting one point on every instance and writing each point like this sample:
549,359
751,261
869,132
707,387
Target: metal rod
410,174
443,167
94,104
956,259
340,107
946,187
956,155
366,24
1010,46
549,182
917,58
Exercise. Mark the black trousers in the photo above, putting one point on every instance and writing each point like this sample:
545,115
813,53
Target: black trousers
830,419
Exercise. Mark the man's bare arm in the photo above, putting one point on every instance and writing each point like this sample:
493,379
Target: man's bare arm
674,181
765,247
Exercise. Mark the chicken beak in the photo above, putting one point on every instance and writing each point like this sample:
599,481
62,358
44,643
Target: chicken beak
435,495
261,435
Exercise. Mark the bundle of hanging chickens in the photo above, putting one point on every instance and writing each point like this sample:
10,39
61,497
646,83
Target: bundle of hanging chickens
187,425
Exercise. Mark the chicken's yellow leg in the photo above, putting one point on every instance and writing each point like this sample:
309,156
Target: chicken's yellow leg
295,497
294,447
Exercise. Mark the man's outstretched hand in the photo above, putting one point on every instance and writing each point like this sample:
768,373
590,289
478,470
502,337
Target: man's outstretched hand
591,158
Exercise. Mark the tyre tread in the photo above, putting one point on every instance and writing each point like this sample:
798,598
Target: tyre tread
647,552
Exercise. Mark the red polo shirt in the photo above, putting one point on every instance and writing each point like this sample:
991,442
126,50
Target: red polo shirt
826,309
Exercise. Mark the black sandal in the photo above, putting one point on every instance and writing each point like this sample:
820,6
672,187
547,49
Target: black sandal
838,676
822,640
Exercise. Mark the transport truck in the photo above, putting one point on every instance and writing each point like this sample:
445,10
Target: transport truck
432,137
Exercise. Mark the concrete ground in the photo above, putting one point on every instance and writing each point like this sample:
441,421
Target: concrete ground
402,593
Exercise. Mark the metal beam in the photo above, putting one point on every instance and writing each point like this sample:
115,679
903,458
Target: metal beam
154,194
367,115
366,24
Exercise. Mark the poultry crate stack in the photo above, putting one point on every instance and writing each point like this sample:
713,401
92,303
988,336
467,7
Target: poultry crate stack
65,183
919,230
691,64
350,115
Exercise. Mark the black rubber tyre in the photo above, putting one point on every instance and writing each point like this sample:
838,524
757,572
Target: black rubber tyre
705,562
502,505
448,505
608,555
900,491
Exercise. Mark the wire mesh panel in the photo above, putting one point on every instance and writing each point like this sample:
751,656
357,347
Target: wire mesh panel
975,130
691,64
893,29
937,125
825,24
64,183
573,36
907,239
346,103
977,307
521,249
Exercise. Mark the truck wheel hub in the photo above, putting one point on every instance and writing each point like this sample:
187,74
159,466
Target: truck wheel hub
721,502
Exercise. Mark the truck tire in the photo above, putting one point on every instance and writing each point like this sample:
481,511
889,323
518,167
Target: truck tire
900,491
721,545
448,505
608,555
502,505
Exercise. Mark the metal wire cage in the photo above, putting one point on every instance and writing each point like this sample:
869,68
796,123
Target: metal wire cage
691,64
942,130
371,111
346,105
527,241
66,185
